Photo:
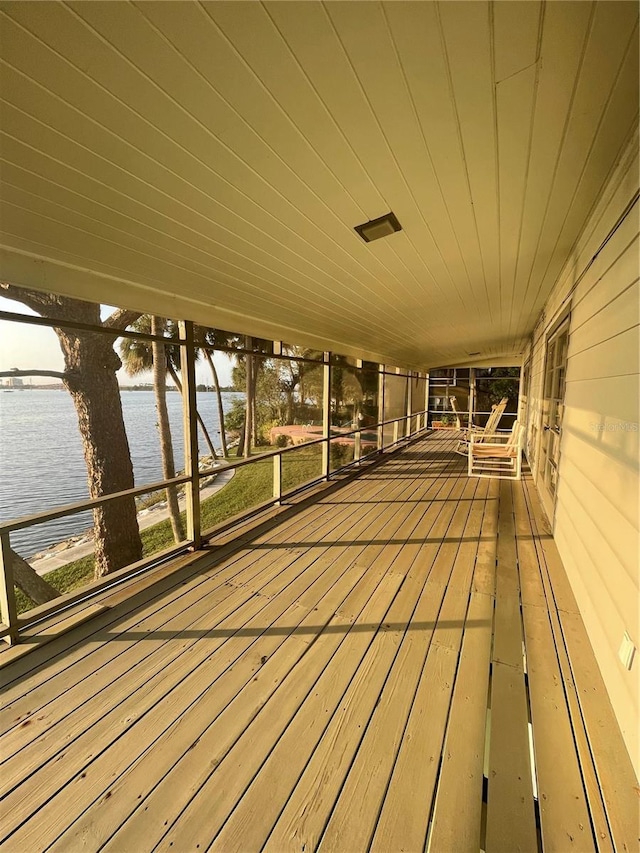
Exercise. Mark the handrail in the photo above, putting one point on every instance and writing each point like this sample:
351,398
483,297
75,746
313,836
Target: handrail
83,506
24,521
193,476
278,451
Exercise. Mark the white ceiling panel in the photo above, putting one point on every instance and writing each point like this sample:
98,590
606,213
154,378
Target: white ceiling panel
211,160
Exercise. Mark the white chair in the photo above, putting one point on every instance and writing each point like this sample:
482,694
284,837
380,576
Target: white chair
497,455
480,433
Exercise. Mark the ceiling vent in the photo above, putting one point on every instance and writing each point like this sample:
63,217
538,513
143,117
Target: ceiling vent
383,226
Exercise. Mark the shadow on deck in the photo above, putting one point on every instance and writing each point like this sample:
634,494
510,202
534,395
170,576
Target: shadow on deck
398,665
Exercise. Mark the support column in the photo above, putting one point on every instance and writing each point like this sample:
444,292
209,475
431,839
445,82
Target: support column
277,478
326,414
472,394
425,417
380,406
189,410
8,609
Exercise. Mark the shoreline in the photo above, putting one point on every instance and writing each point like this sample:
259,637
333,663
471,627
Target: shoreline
81,545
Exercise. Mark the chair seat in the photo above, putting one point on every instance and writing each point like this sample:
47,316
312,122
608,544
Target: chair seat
490,458
485,451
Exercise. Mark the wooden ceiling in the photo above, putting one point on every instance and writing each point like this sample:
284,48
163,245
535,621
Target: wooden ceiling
211,161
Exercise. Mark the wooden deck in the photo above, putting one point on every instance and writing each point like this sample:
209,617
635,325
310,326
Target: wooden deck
375,673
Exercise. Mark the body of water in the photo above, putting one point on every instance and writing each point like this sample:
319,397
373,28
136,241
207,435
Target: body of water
41,460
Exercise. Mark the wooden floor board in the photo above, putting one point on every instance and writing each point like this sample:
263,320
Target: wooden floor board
190,566
178,676
236,571
324,775
384,559
456,822
323,682
510,785
386,522
404,815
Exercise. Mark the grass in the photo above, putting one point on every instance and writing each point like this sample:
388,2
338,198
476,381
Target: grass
251,485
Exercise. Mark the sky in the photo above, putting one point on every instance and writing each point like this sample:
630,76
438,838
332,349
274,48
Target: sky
37,348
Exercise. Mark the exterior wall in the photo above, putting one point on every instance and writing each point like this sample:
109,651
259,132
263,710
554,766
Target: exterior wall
596,515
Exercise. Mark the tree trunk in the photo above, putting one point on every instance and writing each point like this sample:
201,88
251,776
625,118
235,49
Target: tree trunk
205,432
30,582
164,430
91,365
248,423
90,376
254,412
216,384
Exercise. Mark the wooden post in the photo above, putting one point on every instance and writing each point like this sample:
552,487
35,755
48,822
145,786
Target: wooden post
357,446
409,430
277,478
425,417
326,415
380,407
8,609
189,408
472,394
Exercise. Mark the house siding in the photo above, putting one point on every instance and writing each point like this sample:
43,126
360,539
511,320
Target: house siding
596,514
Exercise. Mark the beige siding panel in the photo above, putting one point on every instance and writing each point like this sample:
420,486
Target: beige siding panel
621,685
621,314
596,517
574,512
617,261
601,457
615,197
615,357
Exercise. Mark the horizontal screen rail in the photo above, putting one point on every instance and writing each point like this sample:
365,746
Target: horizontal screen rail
83,506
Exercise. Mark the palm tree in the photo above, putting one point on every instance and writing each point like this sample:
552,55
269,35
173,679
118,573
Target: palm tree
209,337
139,356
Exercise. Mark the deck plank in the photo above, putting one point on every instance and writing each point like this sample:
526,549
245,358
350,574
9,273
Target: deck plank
564,812
323,683
155,614
181,678
43,671
403,820
386,525
511,823
457,809
359,686
304,816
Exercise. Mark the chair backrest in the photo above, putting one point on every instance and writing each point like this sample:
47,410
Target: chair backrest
515,437
493,420
452,400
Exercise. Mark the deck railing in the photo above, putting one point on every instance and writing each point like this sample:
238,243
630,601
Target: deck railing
389,432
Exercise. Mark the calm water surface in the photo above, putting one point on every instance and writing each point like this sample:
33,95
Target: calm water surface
41,461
